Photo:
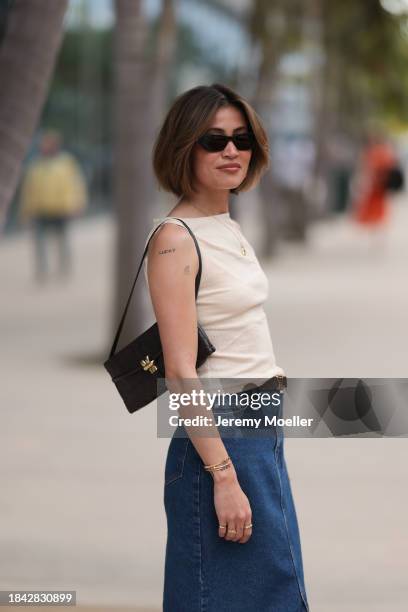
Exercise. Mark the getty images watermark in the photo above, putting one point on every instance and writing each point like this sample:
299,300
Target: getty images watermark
235,402
308,407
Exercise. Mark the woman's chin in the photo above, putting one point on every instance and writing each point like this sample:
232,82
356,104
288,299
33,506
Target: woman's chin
231,183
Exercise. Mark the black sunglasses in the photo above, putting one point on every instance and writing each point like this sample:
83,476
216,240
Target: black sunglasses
218,142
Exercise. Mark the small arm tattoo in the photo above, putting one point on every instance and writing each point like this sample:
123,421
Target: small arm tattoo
166,251
187,269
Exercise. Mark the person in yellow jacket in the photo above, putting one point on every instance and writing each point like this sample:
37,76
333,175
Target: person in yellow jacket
53,192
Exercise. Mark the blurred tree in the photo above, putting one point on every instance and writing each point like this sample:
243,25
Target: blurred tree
275,29
28,50
141,88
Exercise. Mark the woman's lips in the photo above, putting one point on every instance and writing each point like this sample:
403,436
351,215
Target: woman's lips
230,169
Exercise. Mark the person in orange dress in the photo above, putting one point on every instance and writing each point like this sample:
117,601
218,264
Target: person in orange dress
371,207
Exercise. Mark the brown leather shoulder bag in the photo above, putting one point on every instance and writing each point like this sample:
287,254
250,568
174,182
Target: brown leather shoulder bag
137,369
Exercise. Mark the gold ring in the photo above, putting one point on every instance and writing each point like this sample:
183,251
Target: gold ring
248,526
222,526
231,531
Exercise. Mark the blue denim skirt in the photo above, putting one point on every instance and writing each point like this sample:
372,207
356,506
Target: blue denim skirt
206,573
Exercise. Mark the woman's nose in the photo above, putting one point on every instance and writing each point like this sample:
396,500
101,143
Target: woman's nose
230,149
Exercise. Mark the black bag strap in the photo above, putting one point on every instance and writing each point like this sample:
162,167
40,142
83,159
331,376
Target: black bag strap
197,280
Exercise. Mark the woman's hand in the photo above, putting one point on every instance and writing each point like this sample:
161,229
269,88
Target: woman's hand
232,506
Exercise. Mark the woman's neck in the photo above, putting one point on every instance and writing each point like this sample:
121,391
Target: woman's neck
208,205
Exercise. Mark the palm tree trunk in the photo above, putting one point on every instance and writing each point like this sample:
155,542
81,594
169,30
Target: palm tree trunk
132,182
32,37
140,96
272,26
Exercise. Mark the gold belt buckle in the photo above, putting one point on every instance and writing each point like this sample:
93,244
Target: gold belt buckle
281,383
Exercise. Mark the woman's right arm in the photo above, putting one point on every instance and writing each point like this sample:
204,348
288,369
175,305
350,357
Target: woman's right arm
172,268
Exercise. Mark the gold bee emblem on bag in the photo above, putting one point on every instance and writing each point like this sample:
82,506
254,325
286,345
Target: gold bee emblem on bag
148,365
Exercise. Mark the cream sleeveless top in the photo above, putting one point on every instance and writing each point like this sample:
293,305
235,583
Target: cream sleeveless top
230,300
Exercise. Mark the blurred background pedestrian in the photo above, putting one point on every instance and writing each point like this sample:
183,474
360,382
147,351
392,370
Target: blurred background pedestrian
371,204
53,192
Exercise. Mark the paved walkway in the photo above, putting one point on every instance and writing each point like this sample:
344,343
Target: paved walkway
81,504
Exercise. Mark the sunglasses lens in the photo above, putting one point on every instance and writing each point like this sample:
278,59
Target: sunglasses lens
218,142
243,142
213,142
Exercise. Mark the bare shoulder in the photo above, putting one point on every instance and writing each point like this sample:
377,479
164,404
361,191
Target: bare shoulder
172,246
170,235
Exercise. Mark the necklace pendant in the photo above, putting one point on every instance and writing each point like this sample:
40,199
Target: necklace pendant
243,251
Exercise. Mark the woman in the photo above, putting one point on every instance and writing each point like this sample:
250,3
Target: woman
233,541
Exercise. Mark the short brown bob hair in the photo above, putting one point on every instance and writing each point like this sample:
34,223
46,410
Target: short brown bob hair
187,120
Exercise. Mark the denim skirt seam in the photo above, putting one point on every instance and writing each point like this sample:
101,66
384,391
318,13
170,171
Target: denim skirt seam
197,524
181,472
279,439
288,537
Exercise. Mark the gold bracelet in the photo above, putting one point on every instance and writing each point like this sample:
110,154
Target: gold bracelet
215,465
226,466
222,467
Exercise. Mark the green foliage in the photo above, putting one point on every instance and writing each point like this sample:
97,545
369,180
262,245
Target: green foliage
364,50
370,51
